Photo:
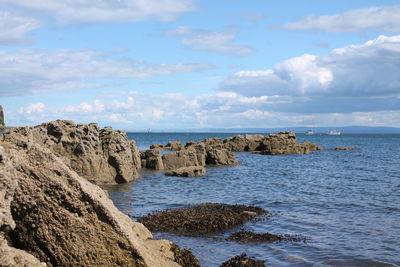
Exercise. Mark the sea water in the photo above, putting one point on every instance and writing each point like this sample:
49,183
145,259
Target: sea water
346,202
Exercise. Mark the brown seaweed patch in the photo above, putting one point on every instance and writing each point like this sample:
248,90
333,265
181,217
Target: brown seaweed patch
201,219
248,237
184,257
242,261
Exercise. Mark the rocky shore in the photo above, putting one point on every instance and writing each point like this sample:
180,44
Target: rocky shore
53,213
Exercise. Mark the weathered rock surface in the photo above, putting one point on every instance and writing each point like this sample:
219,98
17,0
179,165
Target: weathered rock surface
174,145
151,159
273,144
103,156
179,159
192,171
201,219
50,214
242,261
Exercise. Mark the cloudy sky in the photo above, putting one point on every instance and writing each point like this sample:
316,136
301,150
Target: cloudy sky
184,64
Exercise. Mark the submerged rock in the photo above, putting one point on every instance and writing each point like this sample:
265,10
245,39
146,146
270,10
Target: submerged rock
192,171
242,261
103,156
344,148
248,237
200,219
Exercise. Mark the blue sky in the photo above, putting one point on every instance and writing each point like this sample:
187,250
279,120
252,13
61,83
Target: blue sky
184,64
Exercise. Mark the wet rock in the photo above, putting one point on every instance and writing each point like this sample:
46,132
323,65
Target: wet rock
184,257
151,159
103,156
242,261
200,219
249,237
192,171
344,148
62,219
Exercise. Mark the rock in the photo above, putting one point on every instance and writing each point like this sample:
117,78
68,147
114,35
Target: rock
250,237
152,159
284,143
184,257
174,145
200,219
178,159
2,124
62,219
343,148
217,156
253,141
237,143
192,171
157,146
242,261
103,156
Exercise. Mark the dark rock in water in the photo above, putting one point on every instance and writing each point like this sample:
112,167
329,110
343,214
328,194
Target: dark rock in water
184,257
200,219
2,124
344,148
192,171
248,237
242,261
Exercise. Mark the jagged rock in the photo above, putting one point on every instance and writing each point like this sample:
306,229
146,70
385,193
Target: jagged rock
251,237
2,124
242,261
178,159
236,143
192,171
253,141
103,156
284,143
217,156
62,219
151,159
174,145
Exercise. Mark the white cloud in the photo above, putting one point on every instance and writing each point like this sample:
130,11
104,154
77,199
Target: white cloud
370,69
13,29
96,107
103,11
379,19
209,41
34,71
33,108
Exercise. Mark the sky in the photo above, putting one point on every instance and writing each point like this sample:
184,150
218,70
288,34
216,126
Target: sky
187,64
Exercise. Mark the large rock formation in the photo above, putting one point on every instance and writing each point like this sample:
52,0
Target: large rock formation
192,171
49,214
103,156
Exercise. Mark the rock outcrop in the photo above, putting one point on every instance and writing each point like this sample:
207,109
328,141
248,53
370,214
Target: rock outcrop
2,124
345,148
151,159
192,171
49,214
103,156
242,260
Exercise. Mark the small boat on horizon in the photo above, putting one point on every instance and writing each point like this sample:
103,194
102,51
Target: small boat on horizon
310,132
334,132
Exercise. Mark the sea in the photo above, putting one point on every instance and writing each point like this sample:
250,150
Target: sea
346,203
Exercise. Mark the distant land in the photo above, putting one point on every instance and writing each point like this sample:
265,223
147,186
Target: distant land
343,130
